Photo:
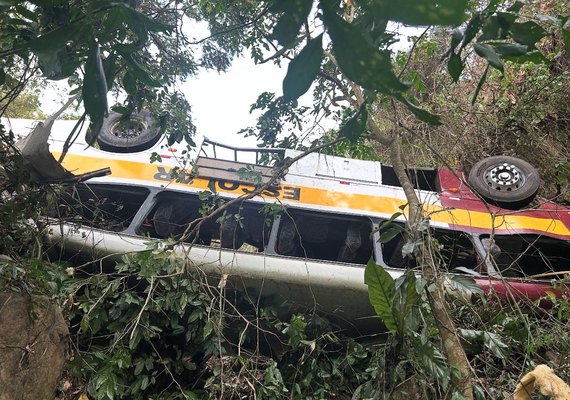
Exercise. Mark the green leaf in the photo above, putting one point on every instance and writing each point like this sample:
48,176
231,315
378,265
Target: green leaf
535,57
295,12
455,66
94,91
381,292
406,298
408,249
479,392
120,109
10,2
432,360
466,286
513,49
496,27
390,233
2,76
137,22
490,340
390,221
208,329
495,344
421,12
480,85
303,69
566,36
109,65
471,30
357,58
51,51
135,68
354,127
488,53
527,33
130,83
419,112
27,13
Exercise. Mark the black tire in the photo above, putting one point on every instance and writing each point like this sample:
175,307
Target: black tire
140,135
508,182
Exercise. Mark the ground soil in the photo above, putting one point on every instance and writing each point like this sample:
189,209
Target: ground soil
33,343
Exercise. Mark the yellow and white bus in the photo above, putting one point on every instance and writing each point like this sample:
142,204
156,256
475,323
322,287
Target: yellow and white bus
307,237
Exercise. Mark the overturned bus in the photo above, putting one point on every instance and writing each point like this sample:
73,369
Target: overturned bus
307,237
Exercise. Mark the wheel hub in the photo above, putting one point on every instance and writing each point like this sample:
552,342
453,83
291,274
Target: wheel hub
129,130
504,177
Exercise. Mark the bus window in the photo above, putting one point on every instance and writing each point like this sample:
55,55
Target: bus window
325,236
110,207
240,227
454,252
528,255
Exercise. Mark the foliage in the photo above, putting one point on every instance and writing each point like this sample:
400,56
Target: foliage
146,328
26,105
142,329
136,49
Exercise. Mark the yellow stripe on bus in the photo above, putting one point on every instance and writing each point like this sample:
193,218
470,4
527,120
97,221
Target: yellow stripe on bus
124,169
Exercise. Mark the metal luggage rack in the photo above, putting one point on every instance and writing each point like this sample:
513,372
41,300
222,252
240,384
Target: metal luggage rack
221,161
247,155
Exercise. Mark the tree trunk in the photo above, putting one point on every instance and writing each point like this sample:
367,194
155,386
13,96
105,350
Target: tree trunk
451,345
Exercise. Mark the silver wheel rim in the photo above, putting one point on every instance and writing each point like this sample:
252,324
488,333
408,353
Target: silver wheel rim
504,177
135,128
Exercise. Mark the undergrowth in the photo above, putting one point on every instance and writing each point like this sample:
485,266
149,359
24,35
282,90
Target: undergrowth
147,328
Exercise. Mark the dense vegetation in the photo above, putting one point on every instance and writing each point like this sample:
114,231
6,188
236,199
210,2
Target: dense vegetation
147,328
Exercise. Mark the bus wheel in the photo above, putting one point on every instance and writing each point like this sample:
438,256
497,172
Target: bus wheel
505,181
139,133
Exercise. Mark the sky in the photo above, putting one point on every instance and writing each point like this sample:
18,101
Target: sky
221,101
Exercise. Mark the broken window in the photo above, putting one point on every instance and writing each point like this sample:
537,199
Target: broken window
528,255
243,226
325,236
110,207
454,251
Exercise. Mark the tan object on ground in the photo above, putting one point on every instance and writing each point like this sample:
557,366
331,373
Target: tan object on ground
544,379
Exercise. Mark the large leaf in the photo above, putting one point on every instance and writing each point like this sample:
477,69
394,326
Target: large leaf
476,22
517,53
497,27
490,340
295,12
355,126
480,85
487,52
566,36
381,292
432,360
527,33
471,30
455,66
357,58
466,286
51,50
422,12
94,89
419,112
137,22
302,71
135,68
406,297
